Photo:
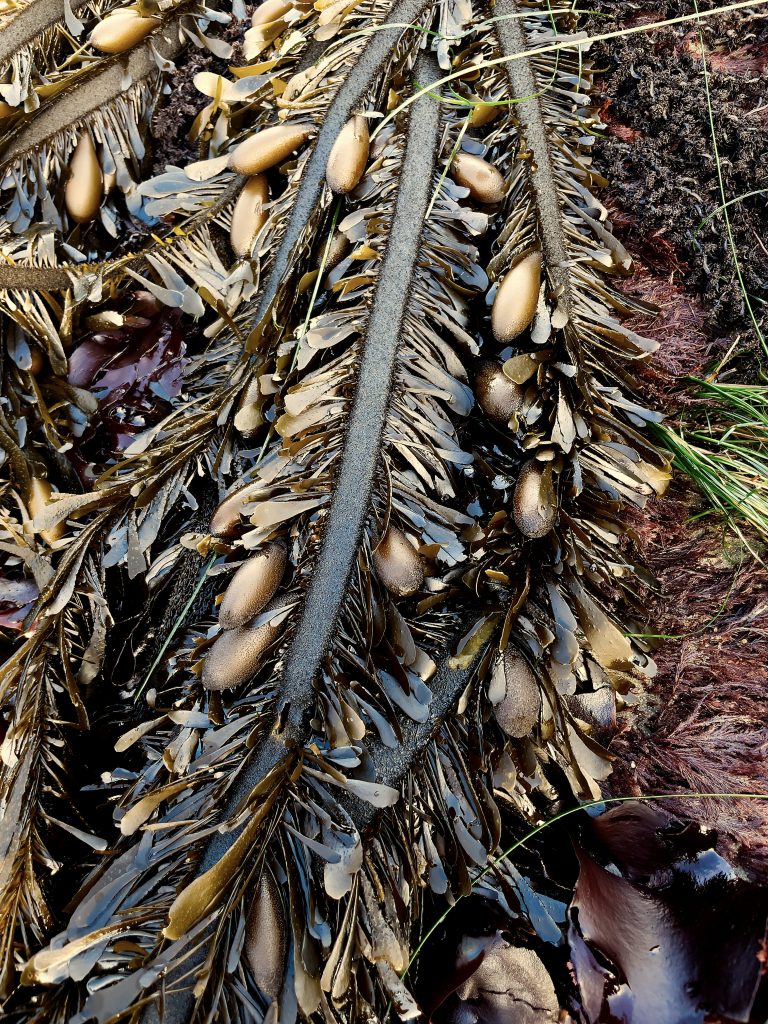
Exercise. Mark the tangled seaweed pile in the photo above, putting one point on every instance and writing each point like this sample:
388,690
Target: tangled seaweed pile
359,369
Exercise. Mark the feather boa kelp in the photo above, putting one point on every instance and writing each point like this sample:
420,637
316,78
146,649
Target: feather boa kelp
413,389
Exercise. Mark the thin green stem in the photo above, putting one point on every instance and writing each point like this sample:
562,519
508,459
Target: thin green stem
551,821
580,42
721,183
449,161
731,202
174,629
369,30
318,281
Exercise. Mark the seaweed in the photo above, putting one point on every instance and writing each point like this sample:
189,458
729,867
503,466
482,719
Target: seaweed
376,316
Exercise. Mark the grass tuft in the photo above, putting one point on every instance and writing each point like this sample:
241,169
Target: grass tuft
723,448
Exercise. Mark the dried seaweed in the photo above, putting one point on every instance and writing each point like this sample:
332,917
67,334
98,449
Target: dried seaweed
405,373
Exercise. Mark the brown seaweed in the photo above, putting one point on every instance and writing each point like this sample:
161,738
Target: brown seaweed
418,591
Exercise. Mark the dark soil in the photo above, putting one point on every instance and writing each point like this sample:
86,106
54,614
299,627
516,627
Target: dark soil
174,118
172,123
658,152
703,727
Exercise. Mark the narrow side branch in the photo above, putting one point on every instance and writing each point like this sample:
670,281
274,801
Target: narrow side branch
30,22
525,90
348,97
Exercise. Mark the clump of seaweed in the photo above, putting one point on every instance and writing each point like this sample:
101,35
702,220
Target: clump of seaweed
349,551
657,921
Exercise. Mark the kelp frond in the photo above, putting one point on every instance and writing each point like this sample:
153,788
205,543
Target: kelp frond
391,412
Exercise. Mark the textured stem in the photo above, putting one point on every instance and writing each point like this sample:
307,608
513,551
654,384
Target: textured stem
351,502
525,90
347,99
391,766
31,21
34,279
